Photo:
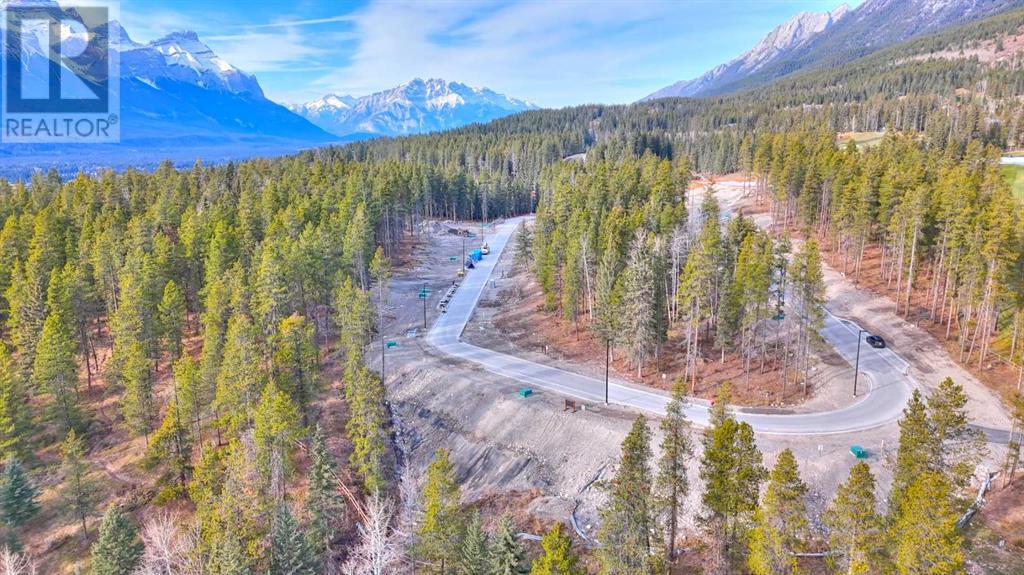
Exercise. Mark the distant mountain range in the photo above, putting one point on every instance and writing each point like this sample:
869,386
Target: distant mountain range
414,107
181,101
819,40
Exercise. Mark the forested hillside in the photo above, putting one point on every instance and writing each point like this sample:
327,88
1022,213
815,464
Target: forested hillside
187,314
898,89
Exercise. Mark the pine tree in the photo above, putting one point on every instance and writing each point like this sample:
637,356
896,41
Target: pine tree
173,440
473,552
17,495
323,503
54,370
606,305
15,417
367,424
915,454
856,528
506,554
289,552
240,378
672,483
627,521
808,288
437,538
960,446
926,538
276,428
780,522
138,403
557,557
77,488
732,470
296,363
118,549
171,318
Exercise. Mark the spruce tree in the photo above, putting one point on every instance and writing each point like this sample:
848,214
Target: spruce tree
15,417
627,521
641,316
289,551
118,549
77,488
856,529
17,495
473,552
506,554
437,538
556,557
780,522
323,503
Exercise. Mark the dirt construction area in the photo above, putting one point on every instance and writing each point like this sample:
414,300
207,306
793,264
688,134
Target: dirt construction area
531,455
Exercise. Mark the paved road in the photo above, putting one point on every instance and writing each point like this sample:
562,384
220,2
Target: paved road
884,392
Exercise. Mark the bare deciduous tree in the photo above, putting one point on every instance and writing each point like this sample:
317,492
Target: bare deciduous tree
12,563
377,550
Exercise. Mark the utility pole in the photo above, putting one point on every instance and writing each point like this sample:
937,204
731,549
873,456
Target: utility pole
463,252
607,365
856,368
424,298
380,328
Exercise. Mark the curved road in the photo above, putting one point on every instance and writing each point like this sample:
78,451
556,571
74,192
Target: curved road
886,372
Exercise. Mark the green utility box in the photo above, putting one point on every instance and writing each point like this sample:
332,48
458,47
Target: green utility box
525,392
859,452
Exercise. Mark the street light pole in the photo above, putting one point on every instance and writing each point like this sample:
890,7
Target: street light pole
424,305
607,364
856,368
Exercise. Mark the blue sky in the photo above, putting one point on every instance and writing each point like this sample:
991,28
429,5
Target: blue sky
553,53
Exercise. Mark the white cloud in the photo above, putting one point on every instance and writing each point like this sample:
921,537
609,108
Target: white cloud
257,52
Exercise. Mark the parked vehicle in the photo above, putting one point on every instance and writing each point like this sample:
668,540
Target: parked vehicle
875,341
476,255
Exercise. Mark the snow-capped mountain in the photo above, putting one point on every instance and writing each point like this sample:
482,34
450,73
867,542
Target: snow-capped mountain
178,100
181,56
414,107
793,33
810,41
